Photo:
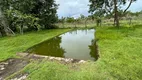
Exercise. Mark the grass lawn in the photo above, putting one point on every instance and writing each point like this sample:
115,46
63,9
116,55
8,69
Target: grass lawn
9,46
120,59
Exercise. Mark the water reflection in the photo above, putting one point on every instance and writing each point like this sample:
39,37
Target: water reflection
93,50
77,44
51,47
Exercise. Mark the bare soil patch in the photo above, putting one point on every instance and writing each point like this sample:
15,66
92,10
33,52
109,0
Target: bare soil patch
11,66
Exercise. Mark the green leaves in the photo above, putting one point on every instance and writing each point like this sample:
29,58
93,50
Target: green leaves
29,13
106,6
20,19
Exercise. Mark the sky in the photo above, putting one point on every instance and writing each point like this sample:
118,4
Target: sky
73,8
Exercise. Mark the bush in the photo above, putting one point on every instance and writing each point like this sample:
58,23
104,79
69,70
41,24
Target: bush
19,20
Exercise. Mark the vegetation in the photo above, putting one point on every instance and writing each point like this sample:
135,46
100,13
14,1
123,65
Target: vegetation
120,48
120,58
34,15
12,45
120,51
129,19
111,7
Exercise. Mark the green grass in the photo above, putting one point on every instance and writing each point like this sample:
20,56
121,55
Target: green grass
120,53
9,46
120,59
49,70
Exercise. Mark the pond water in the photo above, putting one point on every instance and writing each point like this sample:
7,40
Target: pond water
76,44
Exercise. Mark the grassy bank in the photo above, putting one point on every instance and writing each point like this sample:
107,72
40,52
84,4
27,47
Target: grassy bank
121,52
120,59
9,46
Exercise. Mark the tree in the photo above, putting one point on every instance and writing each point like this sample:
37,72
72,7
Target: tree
130,14
82,16
4,27
62,20
109,7
70,19
46,11
98,15
26,13
19,20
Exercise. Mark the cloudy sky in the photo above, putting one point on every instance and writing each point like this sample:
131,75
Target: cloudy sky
73,8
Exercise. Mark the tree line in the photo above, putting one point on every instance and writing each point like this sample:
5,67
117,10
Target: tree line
110,7
21,15
29,14
98,18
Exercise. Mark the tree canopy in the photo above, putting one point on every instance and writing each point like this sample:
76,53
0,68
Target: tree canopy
29,13
109,7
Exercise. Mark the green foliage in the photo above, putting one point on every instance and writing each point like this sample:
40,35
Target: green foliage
2,31
70,19
46,11
19,19
62,20
30,13
109,7
82,16
106,6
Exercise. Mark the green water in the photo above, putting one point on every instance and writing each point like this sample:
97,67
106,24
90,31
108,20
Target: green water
77,44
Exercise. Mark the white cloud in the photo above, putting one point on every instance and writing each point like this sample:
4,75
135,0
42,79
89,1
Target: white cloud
73,8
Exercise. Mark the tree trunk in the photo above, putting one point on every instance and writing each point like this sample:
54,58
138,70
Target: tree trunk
4,27
2,31
116,19
11,31
21,29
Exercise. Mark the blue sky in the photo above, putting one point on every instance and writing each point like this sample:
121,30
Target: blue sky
73,8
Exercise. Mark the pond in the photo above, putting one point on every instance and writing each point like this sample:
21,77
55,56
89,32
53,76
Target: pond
76,44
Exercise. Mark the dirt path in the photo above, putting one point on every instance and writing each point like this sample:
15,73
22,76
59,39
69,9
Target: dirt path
11,66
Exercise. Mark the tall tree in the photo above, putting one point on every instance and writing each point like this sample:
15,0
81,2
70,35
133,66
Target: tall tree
109,7
46,11
43,10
